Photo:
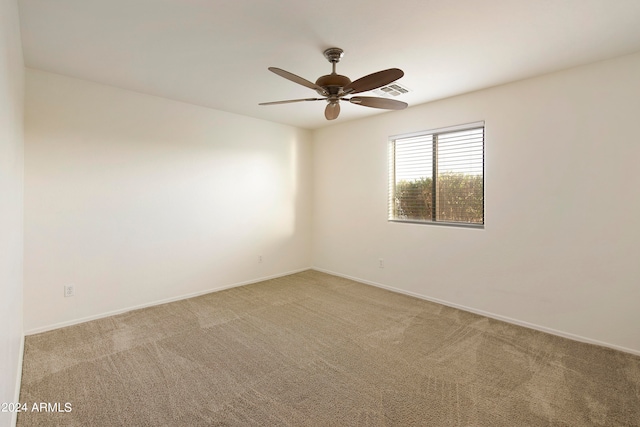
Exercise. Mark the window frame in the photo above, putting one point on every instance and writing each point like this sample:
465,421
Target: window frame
392,174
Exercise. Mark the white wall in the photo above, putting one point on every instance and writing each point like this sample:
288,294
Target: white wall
136,199
11,202
561,245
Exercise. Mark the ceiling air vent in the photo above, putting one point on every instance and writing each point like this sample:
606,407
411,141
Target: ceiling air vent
394,89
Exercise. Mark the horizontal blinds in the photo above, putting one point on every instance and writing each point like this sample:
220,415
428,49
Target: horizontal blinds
460,180
451,189
413,178
461,152
414,158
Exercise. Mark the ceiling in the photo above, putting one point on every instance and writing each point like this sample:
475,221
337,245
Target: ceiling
215,53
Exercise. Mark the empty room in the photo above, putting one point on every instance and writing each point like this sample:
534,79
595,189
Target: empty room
337,213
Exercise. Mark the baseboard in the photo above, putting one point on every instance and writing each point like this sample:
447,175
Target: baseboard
525,324
506,319
157,302
18,386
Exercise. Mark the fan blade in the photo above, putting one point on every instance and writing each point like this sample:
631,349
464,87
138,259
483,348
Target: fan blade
374,81
332,111
296,79
373,102
291,100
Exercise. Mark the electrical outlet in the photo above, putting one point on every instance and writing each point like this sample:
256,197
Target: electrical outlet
69,290
259,259
380,263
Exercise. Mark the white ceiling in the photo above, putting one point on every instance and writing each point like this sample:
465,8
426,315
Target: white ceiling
215,53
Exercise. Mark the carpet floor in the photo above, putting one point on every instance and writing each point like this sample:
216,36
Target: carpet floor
312,349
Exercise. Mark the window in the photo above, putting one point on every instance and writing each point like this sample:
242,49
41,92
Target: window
438,176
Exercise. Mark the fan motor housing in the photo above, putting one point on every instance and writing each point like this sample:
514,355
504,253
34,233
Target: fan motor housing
333,83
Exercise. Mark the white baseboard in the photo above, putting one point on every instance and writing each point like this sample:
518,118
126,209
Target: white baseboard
154,303
540,328
551,331
14,414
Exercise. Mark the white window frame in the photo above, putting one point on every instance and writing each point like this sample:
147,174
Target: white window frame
392,174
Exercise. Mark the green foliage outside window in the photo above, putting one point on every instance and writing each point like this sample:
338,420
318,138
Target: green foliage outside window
459,199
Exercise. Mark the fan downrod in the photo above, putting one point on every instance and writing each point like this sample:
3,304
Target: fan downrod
333,83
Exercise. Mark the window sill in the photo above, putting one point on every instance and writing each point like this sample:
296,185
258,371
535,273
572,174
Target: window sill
438,223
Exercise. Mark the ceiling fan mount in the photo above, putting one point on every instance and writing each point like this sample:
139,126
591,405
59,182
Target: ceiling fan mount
336,87
333,54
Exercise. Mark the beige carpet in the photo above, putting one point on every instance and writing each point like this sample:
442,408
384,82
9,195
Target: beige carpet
312,349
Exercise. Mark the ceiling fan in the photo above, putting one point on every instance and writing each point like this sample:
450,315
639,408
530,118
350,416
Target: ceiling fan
335,87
